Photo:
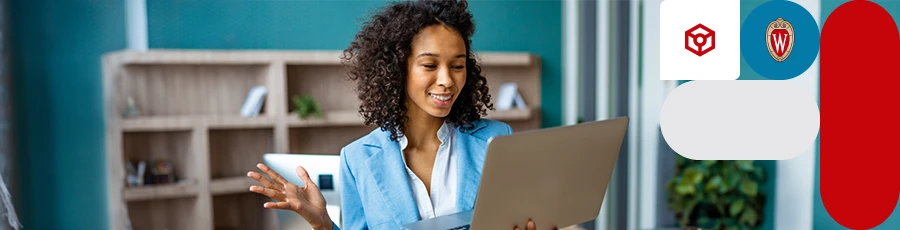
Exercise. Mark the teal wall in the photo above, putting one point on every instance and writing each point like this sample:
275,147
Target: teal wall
56,49
524,26
821,219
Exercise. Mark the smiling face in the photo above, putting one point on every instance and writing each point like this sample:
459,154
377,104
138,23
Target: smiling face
436,71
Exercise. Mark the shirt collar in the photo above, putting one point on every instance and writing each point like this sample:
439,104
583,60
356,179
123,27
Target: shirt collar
443,135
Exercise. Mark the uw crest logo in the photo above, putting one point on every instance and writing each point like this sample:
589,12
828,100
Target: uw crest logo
780,39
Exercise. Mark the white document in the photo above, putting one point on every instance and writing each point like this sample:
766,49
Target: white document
254,101
507,96
520,102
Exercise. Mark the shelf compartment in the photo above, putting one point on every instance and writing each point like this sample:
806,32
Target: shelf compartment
527,80
171,146
161,191
172,214
324,140
180,89
243,211
328,85
177,123
234,152
231,185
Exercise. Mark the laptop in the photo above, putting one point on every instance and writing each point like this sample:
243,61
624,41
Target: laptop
556,177
323,169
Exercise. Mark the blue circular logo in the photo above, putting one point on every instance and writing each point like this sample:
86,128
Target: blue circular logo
779,40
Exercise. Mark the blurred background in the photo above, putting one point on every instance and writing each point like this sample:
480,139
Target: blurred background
68,68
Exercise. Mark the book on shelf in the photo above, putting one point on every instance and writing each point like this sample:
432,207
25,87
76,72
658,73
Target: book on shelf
254,101
510,98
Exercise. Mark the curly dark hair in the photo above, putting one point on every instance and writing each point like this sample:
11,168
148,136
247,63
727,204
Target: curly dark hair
377,61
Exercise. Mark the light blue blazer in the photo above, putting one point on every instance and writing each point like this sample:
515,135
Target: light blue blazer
375,192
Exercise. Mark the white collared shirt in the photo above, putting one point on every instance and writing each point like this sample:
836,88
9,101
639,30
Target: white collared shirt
443,178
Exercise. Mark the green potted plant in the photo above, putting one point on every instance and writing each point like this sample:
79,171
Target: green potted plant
717,194
306,106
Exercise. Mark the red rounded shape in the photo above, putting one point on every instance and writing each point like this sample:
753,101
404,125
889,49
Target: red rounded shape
859,96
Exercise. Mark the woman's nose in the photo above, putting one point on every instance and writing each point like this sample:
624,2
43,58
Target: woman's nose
444,79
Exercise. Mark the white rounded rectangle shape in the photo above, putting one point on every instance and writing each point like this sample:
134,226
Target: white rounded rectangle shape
740,120
678,62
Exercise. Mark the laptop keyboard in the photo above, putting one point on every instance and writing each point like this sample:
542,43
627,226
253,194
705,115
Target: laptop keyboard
464,227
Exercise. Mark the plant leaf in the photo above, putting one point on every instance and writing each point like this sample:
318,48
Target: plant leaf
736,208
717,225
689,209
688,175
721,208
702,169
744,165
693,175
713,197
685,187
703,221
733,179
749,187
709,162
750,217
714,183
759,173
305,106
732,228
724,188
677,205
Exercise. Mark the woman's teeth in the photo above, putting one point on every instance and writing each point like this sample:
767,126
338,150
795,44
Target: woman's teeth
441,97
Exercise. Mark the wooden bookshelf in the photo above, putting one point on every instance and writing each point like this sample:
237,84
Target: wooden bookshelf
165,191
189,102
176,123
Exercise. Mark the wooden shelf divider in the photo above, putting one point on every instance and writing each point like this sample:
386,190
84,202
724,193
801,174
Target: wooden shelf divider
184,123
162,191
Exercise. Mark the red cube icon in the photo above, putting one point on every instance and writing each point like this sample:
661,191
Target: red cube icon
699,39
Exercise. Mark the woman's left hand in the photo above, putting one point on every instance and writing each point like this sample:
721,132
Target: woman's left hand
530,226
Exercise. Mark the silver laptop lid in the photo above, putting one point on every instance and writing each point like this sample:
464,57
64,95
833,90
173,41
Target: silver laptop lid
556,176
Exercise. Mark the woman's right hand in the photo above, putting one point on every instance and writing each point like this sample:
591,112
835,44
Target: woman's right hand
304,200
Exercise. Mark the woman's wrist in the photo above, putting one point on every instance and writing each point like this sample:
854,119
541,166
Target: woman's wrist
326,224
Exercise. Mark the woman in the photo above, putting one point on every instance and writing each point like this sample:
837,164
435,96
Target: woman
419,82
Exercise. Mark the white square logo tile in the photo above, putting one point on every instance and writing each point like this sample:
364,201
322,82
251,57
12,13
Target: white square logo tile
700,40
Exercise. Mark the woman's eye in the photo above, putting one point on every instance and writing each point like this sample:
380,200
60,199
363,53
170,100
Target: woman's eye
459,67
430,66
